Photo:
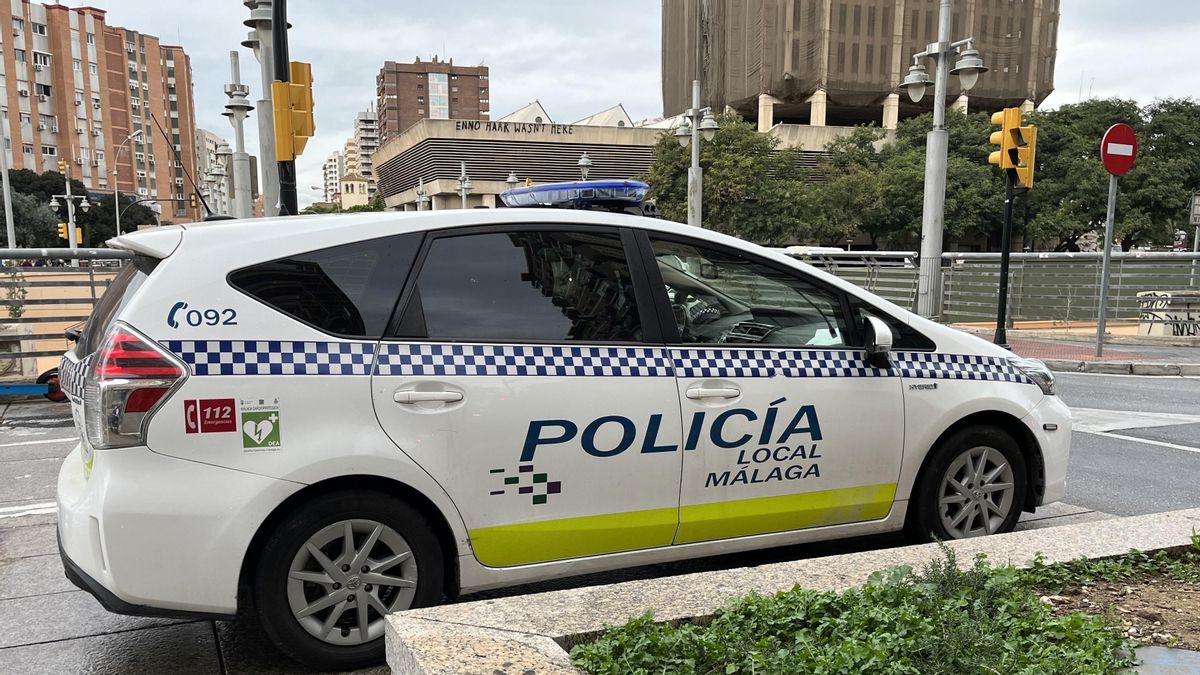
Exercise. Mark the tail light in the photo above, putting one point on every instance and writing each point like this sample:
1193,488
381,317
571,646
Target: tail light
131,377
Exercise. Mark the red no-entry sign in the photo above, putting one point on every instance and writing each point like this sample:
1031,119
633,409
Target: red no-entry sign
1118,149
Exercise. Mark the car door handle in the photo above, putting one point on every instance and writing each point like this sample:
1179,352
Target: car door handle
419,396
717,392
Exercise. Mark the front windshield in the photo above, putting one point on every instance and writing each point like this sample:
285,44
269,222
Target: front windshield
718,297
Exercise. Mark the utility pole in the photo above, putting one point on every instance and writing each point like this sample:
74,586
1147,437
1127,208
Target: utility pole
236,110
259,39
1001,338
288,197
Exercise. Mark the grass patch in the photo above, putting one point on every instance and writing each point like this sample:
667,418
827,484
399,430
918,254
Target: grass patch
941,620
1177,565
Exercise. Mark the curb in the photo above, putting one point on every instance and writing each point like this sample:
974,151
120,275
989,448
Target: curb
1123,367
533,633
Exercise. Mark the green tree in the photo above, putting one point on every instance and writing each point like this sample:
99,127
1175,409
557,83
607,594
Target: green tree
36,225
751,189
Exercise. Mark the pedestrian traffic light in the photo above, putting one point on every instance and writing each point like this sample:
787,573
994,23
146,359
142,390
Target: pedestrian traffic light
292,106
1018,145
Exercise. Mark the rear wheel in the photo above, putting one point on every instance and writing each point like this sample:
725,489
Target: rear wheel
974,485
330,574
54,392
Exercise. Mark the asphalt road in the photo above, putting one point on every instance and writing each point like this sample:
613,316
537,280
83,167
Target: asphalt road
1136,449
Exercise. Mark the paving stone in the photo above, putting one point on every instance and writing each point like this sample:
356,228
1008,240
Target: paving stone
1063,365
1108,367
246,649
1155,369
62,616
29,540
34,575
183,649
1189,369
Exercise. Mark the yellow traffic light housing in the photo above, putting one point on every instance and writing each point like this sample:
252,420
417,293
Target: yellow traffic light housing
192,201
292,106
1017,145
62,166
62,232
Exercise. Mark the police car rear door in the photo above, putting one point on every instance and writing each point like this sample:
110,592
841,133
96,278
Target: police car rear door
526,374
785,426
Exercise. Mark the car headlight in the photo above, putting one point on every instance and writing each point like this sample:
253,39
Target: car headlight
1037,371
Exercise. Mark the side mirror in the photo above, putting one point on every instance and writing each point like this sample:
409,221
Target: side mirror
879,342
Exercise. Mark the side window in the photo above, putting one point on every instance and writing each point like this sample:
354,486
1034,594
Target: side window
347,290
905,336
722,297
525,285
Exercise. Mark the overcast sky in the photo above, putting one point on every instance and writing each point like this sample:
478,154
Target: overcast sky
582,56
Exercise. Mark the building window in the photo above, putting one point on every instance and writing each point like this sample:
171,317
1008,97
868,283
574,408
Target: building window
420,99
18,25
91,39
26,118
41,59
19,55
49,150
76,65
92,69
27,148
39,28
42,89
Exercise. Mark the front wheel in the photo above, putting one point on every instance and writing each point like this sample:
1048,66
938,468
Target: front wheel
974,485
335,568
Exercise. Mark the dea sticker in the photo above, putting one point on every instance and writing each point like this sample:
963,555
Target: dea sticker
259,424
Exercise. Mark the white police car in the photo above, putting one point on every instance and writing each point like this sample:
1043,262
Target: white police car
332,418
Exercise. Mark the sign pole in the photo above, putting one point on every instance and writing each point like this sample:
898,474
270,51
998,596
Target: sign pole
1001,339
1108,237
1196,235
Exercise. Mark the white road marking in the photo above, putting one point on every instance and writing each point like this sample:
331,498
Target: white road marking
1095,420
1147,441
48,440
28,509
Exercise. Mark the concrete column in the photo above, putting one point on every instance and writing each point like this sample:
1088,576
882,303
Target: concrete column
816,115
1026,106
766,112
891,111
960,104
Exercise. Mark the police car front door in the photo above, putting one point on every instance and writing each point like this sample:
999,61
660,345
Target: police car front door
520,377
785,426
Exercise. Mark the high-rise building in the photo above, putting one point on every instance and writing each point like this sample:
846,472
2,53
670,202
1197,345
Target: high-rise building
439,90
839,62
350,157
209,163
366,141
75,88
331,171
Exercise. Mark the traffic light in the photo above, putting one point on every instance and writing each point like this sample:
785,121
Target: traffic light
1018,145
292,106
192,202
62,231
62,167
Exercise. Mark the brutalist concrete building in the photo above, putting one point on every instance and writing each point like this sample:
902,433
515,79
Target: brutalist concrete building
839,62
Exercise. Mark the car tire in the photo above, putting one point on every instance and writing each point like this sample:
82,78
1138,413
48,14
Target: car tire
974,484
382,525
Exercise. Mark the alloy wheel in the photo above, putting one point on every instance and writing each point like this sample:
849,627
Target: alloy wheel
976,494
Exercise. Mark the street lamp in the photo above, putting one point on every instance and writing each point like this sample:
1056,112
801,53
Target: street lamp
968,67
697,121
585,165
512,181
464,185
236,110
68,199
422,195
116,190
222,170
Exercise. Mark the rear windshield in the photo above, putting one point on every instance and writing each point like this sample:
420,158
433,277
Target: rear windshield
115,297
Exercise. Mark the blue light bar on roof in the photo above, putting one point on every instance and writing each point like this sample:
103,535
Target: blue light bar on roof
578,194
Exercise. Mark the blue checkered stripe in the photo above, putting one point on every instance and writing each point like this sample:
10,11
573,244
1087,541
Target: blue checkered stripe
931,365
839,363
274,357
401,358
769,363
71,374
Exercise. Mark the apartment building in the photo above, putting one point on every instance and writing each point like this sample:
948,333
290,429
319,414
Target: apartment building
74,88
366,142
331,170
438,90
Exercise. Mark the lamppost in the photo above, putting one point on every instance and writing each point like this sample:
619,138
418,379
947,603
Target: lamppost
116,190
422,195
585,165
968,68
464,185
56,201
224,153
512,181
696,121
259,39
237,110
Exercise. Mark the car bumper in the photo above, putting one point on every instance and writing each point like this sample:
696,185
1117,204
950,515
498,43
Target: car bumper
157,536
1050,423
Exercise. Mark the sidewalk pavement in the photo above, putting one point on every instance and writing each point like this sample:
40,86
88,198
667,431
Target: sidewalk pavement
1075,354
